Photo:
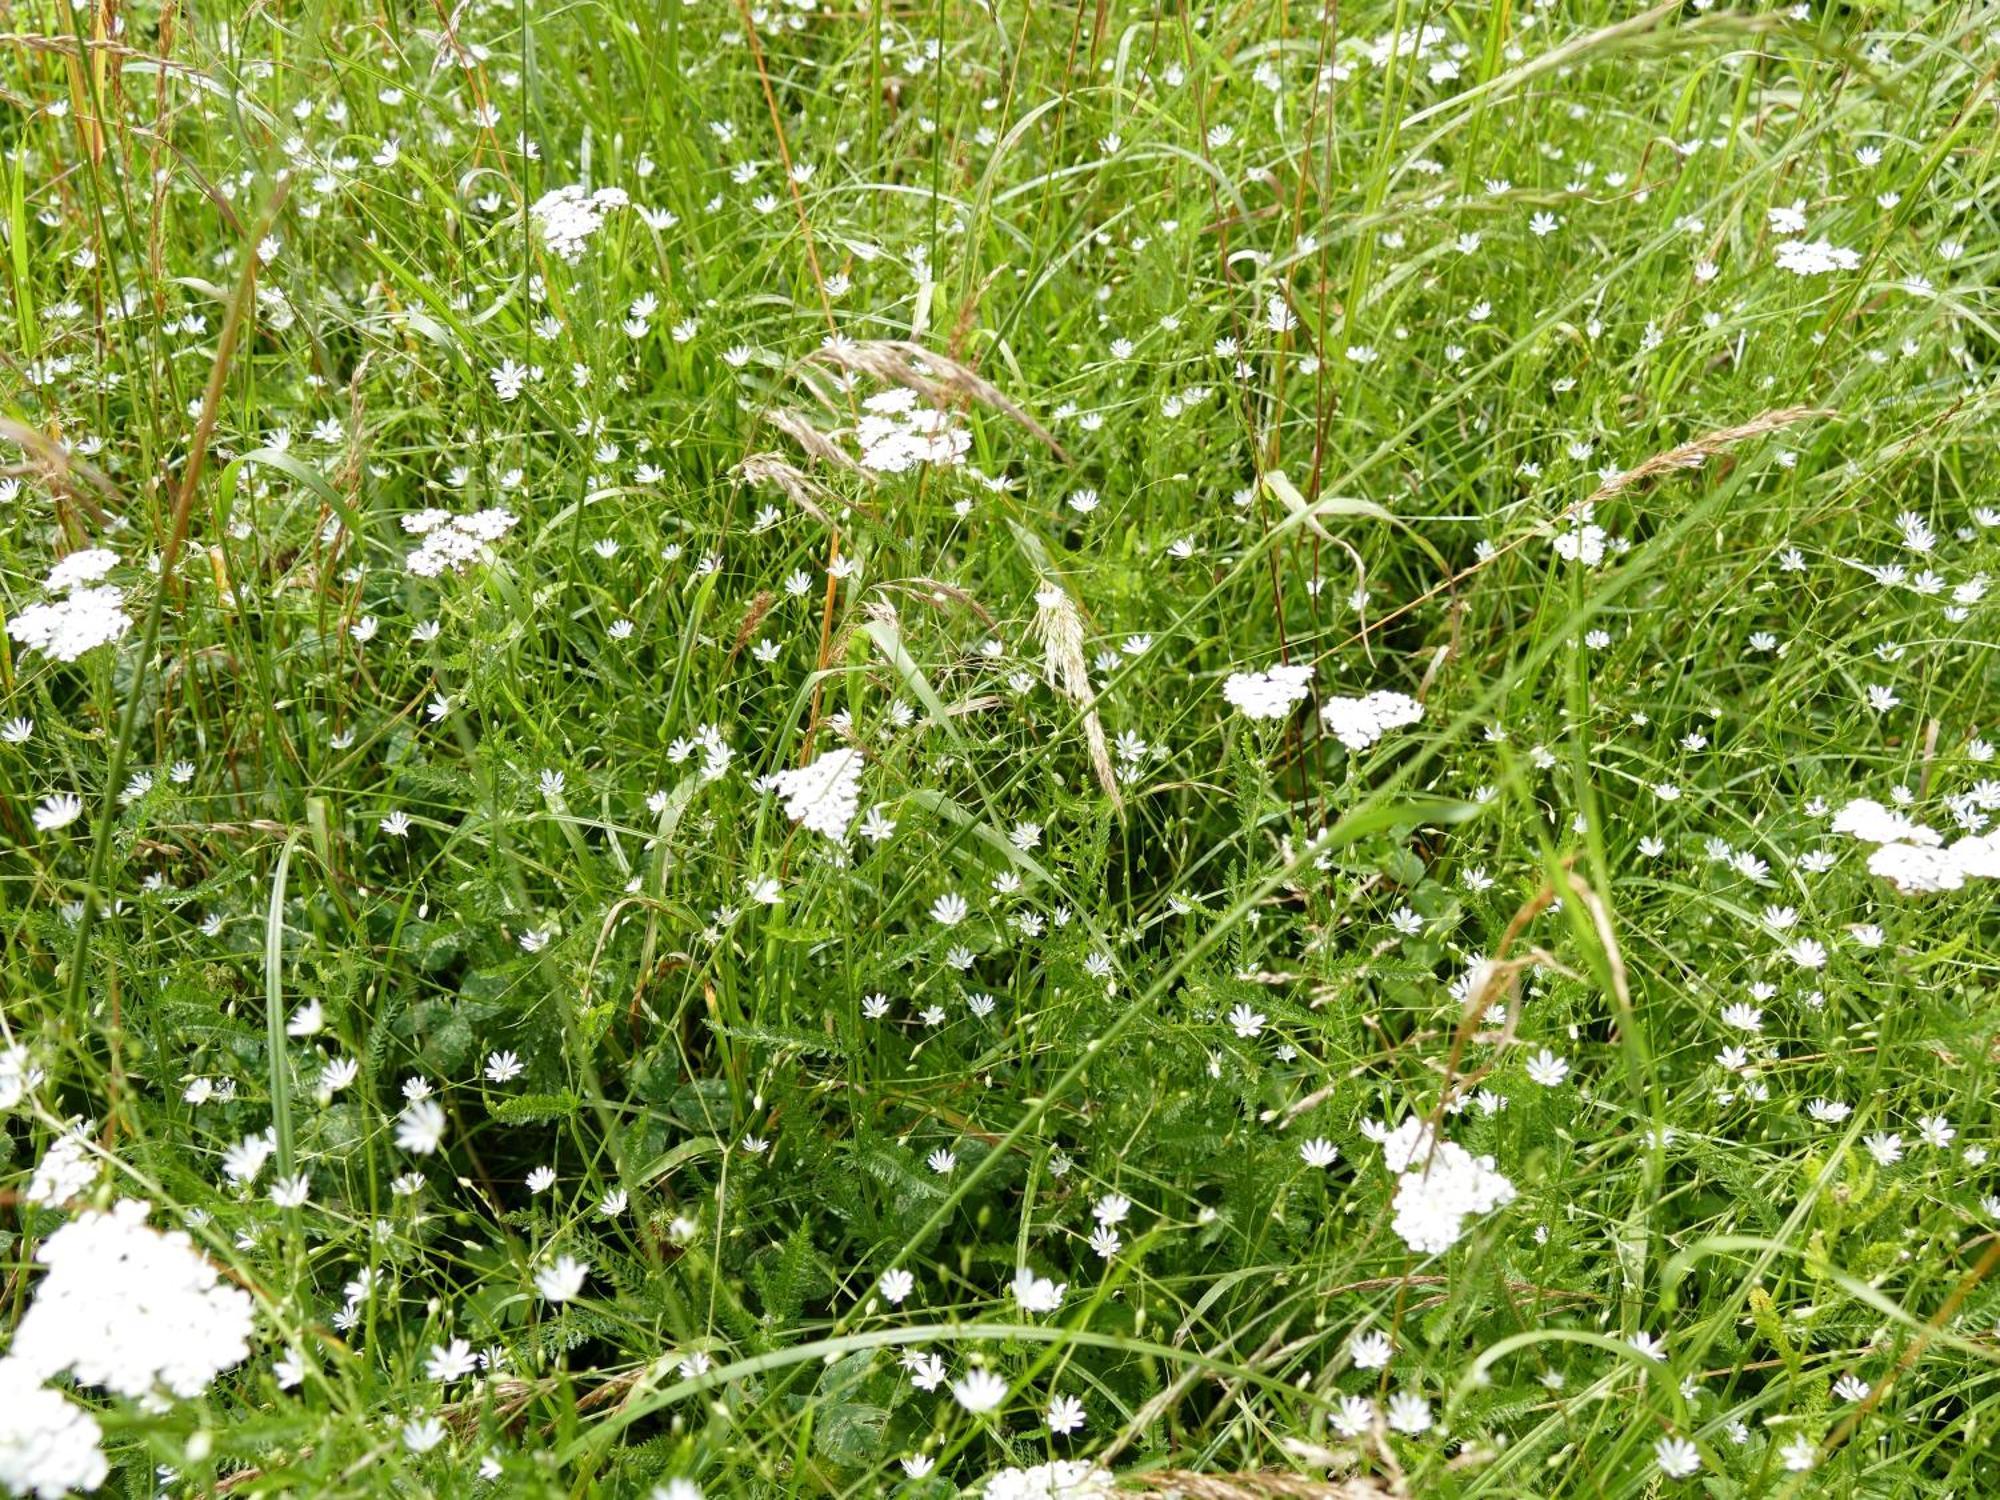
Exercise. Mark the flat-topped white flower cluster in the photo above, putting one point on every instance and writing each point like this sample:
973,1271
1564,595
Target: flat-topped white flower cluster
1915,858
1439,1186
129,1308
1359,722
896,434
824,794
568,216
1267,695
85,613
453,543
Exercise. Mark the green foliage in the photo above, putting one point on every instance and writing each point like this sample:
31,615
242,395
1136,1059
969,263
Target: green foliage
1617,385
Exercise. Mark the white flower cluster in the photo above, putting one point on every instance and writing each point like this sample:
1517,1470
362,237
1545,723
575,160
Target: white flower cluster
1417,42
1064,1479
48,1445
896,434
19,1076
1913,857
452,542
87,612
1359,722
824,795
1583,543
128,1308
1439,1186
568,216
1815,257
66,1170
1267,695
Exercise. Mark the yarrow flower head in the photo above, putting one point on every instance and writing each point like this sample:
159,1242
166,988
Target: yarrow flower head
66,1171
68,627
48,1444
1439,1187
824,795
1064,1479
1359,722
1913,857
568,216
1267,695
131,1309
1815,257
896,434
451,543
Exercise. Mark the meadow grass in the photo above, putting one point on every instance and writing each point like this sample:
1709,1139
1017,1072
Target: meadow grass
999,748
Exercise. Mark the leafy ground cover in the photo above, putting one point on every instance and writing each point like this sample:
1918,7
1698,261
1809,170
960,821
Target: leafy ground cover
999,749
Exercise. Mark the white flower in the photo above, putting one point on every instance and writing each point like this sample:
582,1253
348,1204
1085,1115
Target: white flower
1677,1457
1037,1294
243,1161
1246,1022
1869,821
1547,1069
562,1278
1318,1152
90,565
1584,543
289,1369
67,628
67,1170
895,1285
19,1076
566,217
1815,258
980,1391
452,1361
421,1434
1914,869
1371,1350
338,1074
452,544
1439,1195
420,1127
1065,1415
1353,1416
1409,1413
58,811
502,1067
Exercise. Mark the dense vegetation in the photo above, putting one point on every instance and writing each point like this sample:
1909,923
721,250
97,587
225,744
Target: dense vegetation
1240,750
